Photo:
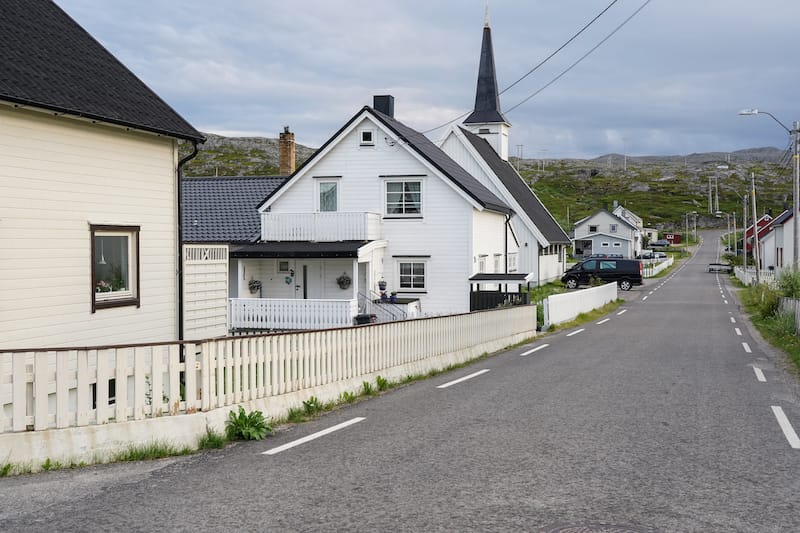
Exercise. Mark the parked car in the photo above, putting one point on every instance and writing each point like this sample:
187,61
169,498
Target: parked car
626,272
651,254
660,243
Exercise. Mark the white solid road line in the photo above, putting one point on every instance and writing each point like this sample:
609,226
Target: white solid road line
575,332
788,430
759,374
603,321
313,436
465,378
534,350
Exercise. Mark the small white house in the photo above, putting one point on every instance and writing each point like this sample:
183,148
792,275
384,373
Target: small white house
604,232
89,191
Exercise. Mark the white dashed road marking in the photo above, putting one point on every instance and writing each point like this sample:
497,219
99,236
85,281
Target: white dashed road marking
603,321
534,350
575,332
759,374
733,320
746,347
465,378
786,426
738,331
621,312
313,436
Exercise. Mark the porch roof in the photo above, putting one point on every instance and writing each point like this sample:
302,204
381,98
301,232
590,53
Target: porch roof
297,249
500,277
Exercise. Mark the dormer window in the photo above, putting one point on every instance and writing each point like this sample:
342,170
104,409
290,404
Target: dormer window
367,138
484,131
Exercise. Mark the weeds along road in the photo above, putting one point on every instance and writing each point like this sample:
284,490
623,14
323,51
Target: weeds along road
660,416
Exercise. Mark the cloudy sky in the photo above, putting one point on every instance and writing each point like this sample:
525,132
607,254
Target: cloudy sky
670,81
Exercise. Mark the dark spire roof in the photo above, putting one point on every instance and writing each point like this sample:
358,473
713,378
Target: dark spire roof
50,62
487,97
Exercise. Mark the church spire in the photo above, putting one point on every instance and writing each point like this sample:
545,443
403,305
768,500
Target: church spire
487,97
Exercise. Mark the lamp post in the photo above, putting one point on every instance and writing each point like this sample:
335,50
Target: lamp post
795,133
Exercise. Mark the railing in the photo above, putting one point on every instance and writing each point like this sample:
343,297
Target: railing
384,311
89,386
479,300
282,314
320,226
654,267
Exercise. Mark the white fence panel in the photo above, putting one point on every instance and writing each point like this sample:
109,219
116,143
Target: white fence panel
81,387
283,314
325,226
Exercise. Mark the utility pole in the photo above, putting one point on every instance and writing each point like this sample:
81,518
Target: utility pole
756,251
710,206
735,251
796,191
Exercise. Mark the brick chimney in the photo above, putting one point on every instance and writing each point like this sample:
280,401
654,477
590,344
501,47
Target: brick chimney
286,152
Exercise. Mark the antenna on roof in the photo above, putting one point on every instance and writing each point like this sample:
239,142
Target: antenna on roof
486,18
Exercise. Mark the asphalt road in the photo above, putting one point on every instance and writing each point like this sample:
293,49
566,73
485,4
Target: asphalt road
654,418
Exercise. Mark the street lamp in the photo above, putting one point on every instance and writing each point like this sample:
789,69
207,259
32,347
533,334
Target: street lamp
795,133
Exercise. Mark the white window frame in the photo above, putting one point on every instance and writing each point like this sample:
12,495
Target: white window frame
403,214
498,262
283,266
604,244
366,137
617,245
612,228
318,193
413,261
512,262
482,263
130,295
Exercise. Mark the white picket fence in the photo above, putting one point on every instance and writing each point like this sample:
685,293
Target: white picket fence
81,387
275,313
652,269
748,276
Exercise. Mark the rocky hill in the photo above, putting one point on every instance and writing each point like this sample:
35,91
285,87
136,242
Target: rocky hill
660,189
239,156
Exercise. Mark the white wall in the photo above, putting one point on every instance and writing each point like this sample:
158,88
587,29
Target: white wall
443,236
57,176
205,291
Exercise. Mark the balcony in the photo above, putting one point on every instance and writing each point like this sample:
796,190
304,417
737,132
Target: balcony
320,227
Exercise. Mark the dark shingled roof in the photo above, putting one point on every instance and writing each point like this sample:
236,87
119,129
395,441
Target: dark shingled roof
298,249
487,97
431,153
225,209
436,156
50,62
521,192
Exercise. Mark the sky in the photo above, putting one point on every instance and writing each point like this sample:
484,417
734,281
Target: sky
670,81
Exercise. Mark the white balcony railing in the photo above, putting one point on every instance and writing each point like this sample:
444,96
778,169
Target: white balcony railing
282,314
320,227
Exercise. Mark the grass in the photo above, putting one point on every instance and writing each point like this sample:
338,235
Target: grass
152,450
778,329
588,316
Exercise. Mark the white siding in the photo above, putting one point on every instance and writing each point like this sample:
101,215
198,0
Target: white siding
444,233
205,291
57,176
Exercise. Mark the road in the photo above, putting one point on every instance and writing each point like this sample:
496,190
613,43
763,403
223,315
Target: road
659,417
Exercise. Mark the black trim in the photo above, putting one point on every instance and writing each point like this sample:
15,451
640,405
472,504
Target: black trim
403,218
402,175
411,256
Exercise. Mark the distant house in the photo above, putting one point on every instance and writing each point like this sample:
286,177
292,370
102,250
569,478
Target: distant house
89,190
776,243
605,232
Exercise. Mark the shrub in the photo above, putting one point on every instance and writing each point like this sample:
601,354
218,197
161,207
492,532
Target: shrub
211,440
247,426
382,382
347,397
312,405
367,389
789,283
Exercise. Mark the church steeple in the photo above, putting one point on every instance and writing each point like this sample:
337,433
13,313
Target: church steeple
486,120
487,97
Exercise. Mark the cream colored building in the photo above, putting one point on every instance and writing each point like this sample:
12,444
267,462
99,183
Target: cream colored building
89,246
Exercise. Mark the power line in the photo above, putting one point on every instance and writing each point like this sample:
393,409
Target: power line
584,56
534,69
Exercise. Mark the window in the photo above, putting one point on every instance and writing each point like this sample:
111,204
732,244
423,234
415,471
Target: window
617,245
412,275
613,228
283,266
498,266
608,265
592,229
328,196
367,138
481,263
512,262
589,265
115,266
604,245
404,198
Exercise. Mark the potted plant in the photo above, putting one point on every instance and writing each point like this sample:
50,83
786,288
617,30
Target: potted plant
254,285
344,281
393,297
382,285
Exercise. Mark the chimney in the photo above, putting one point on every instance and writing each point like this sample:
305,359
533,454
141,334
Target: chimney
286,152
384,104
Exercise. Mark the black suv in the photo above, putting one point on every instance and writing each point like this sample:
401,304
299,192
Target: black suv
626,272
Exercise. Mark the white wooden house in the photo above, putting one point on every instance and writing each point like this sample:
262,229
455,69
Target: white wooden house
604,232
377,209
481,147
89,236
